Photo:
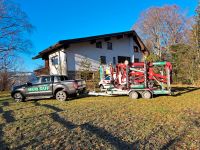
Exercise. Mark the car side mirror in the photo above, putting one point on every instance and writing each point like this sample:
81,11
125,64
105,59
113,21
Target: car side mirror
28,83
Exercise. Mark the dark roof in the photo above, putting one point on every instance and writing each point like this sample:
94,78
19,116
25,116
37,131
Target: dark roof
65,43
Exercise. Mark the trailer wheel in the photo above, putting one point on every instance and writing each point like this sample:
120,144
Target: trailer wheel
146,95
133,95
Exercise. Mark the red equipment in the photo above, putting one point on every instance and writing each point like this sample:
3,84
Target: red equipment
142,73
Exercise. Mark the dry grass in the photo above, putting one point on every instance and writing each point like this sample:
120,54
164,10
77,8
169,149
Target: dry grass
165,122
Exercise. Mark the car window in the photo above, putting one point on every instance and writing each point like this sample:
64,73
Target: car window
62,78
107,78
57,78
65,77
46,79
35,80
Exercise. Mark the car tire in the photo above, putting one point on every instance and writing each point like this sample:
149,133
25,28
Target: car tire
18,97
61,96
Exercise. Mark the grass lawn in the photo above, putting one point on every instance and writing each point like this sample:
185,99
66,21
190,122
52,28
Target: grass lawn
165,122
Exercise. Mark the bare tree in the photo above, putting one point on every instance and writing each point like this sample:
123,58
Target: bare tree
194,33
194,42
11,66
85,68
161,27
14,28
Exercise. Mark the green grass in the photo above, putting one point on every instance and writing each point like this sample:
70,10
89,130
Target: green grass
165,122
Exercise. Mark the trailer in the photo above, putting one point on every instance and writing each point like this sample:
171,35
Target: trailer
142,79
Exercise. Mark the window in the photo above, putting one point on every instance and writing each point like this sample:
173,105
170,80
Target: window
136,50
98,44
136,60
35,80
114,60
46,79
54,60
109,45
107,78
103,59
62,78
121,59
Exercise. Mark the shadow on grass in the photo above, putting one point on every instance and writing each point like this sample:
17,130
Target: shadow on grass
183,90
8,116
56,109
120,144
52,107
67,124
100,132
70,98
192,123
151,141
108,137
3,145
5,103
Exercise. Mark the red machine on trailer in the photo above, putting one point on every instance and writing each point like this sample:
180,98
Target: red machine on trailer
140,79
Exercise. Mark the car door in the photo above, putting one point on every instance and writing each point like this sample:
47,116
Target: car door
42,88
32,88
46,86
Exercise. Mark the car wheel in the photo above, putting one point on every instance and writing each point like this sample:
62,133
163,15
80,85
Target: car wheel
61,95
18,97
133,95
146,95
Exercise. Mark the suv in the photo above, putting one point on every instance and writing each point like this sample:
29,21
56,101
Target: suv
49,86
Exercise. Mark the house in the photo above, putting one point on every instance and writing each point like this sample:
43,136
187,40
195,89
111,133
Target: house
67,56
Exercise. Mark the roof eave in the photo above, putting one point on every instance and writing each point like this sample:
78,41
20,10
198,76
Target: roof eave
67,42
37,57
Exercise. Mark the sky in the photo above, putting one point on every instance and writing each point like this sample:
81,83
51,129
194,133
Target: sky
56,20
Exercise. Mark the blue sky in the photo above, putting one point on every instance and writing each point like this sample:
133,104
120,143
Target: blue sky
56,20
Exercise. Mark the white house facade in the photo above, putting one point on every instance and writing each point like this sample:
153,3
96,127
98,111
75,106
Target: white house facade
67,57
